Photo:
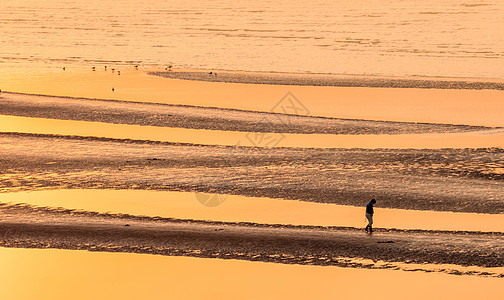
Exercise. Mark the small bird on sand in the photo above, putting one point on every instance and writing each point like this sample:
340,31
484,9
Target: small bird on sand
168,68
113,89
93,68
105,68
136,67
64,68
210,73
118,72
113,70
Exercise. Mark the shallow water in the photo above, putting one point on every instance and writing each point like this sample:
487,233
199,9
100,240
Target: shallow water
452,38
477,139
236,208
63,274
394,38
468,180
449,106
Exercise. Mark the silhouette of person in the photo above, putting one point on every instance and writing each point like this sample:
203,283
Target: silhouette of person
369,215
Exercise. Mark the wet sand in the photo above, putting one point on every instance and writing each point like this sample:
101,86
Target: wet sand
331,80
430,149
63,274
27,227
237,208
459,180
471,139
447,106
165,115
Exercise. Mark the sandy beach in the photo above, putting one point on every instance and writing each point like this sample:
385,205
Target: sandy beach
251,150
471,179
67,229
78,142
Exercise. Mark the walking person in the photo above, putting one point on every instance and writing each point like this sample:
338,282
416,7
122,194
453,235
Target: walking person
369,215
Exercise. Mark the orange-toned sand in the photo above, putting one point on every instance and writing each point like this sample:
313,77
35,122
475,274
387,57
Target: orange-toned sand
71,231
470,107
483,139
236,208
62,274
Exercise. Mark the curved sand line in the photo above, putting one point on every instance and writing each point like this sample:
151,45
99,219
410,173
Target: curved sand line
28,227
459,180
210,118
328,80
460,140
237,208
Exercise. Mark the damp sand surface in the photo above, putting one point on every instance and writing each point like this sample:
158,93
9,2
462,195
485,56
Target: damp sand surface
237,208
209,118
459,180
30,227
446,106
62,274
470,139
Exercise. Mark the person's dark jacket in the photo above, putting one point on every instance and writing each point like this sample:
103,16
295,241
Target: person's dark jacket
369,208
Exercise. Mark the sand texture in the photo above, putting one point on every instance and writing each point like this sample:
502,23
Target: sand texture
28,227
459,180
330,80
185,116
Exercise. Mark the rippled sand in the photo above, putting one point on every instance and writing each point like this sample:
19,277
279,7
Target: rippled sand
155,142
331,80
237,208
29,227
165,115
464,180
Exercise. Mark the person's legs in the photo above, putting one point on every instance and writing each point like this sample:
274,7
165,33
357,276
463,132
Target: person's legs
369,217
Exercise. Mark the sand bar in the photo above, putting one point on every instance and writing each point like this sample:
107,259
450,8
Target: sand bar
476,139
29,227
332,80
459,180
449,106
195,117
236,208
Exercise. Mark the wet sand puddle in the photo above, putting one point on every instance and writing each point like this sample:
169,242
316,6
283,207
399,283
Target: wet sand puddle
449,106
462,180
133,276
477,139
467,253
119,176
206,195
235,208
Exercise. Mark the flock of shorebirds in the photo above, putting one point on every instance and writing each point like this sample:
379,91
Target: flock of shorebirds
168,68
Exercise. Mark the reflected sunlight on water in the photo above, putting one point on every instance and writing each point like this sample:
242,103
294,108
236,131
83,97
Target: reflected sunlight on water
62,274
236,208
478,139
433,38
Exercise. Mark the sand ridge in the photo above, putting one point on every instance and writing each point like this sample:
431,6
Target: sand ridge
328,80
32,227
196,117
459,180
